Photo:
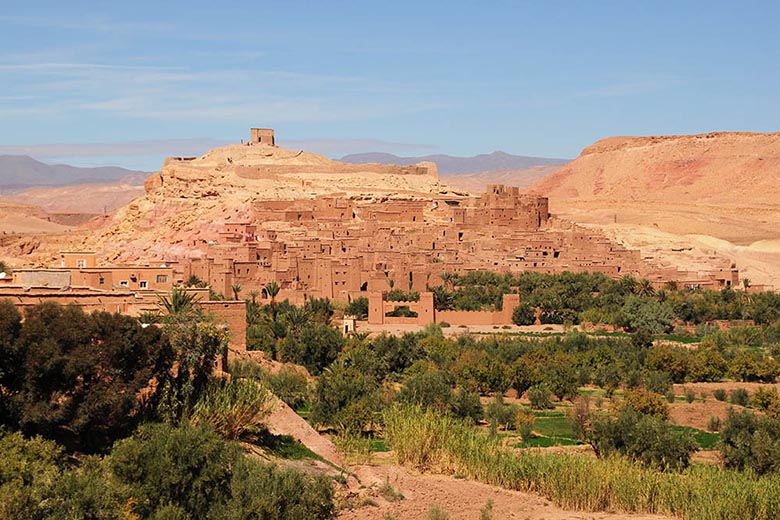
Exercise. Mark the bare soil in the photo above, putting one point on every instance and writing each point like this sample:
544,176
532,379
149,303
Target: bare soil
461,499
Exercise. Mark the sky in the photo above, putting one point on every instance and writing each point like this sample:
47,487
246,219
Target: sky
128,83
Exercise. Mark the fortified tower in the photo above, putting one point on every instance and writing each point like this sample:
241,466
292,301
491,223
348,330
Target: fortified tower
262,136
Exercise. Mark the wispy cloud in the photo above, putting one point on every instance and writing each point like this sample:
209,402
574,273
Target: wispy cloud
129,148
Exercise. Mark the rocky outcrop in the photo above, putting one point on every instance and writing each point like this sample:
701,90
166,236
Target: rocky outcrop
713,168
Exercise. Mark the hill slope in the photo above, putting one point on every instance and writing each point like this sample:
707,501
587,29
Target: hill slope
714,168
448,164
21,171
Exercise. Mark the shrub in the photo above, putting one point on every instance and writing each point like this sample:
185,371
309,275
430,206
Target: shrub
358,308
290,386
647,403
466,405
739,397
747,441
501,414
429,389
525,424
719,394
524,314
437,513
539,396
670,396
690,396
231,407
764,398
644,438
713,423
191,472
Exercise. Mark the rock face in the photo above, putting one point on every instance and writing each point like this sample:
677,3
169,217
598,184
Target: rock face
191,199
713,168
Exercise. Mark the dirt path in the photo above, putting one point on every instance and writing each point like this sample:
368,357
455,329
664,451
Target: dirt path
461,499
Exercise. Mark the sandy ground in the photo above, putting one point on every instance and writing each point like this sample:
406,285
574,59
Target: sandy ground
461,499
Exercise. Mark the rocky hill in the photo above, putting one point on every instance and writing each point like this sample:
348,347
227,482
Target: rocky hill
680,199
714,168
191,199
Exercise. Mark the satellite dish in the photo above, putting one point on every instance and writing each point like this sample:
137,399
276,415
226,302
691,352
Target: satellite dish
2,275
163,266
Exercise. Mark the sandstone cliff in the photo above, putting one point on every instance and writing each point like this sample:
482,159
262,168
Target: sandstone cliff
715,168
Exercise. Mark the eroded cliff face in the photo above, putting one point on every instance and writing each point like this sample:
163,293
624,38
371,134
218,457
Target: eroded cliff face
188,202
724,167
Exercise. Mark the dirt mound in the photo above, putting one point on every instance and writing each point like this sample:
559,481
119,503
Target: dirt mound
716,167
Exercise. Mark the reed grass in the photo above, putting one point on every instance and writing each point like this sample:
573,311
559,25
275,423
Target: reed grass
431,442
230,407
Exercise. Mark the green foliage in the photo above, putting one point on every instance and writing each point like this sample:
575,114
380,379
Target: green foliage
358,308
524,314
502,414
739,397
748,441
313,345
265,491
713,423
647,403
398,295
346,398
428,441
230,407
191,472
428,389
690,396
290,386
59,384
539,396
644,438
719,394
643,314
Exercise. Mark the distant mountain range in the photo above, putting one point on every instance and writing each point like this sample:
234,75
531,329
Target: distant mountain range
449,164
18,172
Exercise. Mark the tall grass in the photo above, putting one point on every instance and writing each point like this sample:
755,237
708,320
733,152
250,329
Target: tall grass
436,443
230,407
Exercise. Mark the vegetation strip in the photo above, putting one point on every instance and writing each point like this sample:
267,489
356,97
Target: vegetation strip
432,442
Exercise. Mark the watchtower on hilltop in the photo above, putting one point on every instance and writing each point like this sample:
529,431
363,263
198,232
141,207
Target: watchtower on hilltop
262,136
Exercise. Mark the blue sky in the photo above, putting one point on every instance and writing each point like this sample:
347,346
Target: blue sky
130,82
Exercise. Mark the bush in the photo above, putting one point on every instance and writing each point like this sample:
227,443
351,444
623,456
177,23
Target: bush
747,441
739,397
539,396
719,394
466,405
644,438
713,423
190,472
524,314
232,407
290,386
501,414
764,398
358,308
524,422
690,396
647,403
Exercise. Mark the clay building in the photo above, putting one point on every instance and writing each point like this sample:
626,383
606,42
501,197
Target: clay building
262,136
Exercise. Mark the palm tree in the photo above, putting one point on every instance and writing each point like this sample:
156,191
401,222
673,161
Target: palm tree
236,289
178,303
746,285
629,284
645,288
272,290
446,277
253,295
671,285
